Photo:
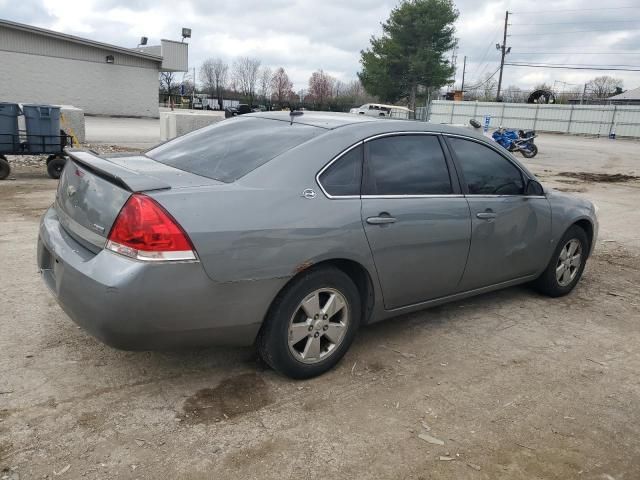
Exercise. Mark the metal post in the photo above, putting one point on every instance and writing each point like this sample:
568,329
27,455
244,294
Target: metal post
193,90
535,119
584,91
453,106
613,120
570,118
502,114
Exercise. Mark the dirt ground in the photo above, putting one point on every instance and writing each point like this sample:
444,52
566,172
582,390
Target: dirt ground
515,385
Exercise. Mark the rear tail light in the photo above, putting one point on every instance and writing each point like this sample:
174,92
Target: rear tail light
146,231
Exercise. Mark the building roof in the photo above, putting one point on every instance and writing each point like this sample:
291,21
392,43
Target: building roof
78,40
633,94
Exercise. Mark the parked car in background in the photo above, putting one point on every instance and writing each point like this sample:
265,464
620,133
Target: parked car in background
381,110
289,232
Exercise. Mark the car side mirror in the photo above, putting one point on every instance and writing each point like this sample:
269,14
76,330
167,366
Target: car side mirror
534,188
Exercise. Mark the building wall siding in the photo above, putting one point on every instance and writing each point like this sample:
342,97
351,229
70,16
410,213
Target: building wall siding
12,40
97,88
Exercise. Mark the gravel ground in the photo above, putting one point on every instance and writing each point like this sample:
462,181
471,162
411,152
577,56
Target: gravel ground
514,385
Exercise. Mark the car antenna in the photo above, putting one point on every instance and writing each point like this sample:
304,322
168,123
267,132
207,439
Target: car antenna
295,113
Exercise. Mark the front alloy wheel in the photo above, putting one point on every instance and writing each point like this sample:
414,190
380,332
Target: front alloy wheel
569,262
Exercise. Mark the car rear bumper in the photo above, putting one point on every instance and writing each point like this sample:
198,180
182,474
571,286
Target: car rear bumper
135,305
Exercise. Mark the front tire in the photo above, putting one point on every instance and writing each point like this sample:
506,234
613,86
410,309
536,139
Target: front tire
532,152
5,168
311,324
566,265
55,165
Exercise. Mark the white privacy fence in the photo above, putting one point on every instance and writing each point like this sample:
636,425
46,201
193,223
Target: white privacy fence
624,120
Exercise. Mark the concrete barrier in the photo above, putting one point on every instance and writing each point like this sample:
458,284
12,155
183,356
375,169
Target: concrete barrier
72,122
173,124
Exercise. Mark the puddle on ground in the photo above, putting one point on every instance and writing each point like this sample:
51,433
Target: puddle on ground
232,397
600,177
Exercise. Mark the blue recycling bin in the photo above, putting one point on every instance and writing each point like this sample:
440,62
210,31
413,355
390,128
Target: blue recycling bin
9,138
43,128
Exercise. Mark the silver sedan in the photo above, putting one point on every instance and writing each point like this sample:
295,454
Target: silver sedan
291,231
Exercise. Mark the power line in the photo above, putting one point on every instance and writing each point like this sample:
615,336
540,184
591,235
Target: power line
575,23
473,87
480,63
580,67
572,32
578,53
575,10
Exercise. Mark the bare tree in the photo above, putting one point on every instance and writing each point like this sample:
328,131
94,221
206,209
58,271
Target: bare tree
168,83
245,72
321,87
514,94
281,85
214,74
604,86
265,84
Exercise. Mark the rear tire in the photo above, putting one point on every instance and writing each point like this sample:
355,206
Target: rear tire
530,153
55,166
565,268
321,309
5,168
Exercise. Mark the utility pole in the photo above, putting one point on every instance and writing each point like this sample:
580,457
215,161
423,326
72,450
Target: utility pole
584,92
193,91
454,61
464,69
504,50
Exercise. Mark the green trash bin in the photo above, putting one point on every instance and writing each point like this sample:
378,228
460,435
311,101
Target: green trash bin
9,138
43,128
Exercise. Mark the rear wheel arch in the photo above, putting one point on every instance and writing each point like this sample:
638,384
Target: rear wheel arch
354,270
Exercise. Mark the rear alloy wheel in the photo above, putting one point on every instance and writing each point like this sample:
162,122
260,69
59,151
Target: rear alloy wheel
567,264
318,325
311,324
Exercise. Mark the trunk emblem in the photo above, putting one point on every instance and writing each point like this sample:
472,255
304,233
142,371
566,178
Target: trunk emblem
97,227
71,191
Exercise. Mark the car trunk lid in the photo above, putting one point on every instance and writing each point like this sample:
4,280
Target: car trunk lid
93,190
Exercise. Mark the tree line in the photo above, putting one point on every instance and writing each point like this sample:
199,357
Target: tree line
407,64
598,88
245,78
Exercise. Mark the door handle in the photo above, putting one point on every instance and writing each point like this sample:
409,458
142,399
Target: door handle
486,215
381,220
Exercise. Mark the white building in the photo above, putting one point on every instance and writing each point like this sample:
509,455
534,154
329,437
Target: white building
43,66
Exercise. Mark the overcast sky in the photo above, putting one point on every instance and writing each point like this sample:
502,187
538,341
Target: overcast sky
304,35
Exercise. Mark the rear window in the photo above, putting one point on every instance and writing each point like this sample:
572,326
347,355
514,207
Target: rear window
228,150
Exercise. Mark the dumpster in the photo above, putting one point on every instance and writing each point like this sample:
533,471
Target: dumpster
9,138
43,128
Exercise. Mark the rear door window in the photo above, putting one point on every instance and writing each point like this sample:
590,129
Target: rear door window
406,165
228,150
343,176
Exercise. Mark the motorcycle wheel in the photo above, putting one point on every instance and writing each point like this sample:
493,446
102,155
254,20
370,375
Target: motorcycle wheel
530,153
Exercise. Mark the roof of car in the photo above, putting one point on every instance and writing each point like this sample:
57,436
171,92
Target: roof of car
328,120
332,120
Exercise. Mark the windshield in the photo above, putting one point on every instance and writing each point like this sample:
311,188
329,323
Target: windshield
228,150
